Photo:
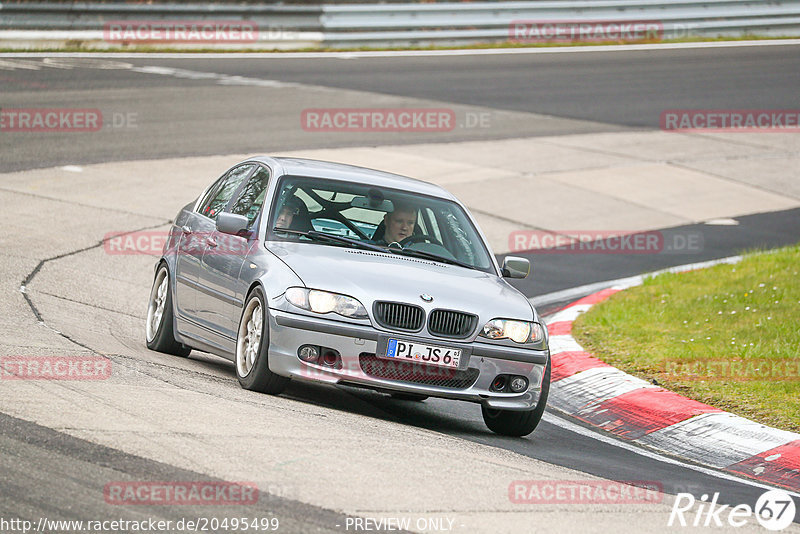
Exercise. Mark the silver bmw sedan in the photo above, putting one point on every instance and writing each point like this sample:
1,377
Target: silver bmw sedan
309,270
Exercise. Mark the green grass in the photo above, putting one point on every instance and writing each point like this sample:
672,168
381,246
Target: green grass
680,330
81,46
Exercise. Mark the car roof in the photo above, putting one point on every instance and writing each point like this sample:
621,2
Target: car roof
352,173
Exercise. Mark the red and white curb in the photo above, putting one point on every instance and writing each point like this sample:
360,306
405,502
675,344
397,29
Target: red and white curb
633,409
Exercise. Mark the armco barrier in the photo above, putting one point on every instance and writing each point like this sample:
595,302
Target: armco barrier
27,25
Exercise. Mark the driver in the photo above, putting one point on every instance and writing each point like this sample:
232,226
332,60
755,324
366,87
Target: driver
399,223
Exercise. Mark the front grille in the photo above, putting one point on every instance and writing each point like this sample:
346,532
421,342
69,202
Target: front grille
451,323
415,373
399,316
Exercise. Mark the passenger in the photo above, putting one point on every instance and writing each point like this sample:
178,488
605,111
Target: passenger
287,213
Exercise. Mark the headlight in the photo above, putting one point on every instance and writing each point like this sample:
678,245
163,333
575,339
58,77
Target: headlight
516,331
325,302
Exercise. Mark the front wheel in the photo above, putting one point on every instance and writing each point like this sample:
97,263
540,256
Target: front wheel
252,348
159,333
518,423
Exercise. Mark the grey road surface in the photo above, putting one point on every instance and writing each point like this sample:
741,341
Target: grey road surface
88,302
215,106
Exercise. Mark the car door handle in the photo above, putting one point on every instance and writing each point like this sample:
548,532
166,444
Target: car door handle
210,242
186,230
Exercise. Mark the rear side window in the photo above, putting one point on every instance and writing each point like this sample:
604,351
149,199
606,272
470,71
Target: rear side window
252,196
219,195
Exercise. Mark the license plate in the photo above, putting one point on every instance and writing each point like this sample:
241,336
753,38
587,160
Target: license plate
419,352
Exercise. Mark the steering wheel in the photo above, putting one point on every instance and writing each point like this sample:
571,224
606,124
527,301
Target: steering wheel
410,240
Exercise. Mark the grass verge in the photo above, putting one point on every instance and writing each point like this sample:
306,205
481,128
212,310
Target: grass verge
89,46
728,336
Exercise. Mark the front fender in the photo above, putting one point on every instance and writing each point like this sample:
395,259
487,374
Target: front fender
270,272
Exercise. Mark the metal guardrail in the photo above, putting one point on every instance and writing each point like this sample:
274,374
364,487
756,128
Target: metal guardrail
347,25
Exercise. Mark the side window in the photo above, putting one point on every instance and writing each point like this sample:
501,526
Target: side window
252,196
209,194
221,195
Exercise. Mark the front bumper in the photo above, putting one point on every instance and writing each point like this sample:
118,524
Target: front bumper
355,343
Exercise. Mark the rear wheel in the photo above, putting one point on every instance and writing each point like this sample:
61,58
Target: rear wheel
159,332
252,348
518,423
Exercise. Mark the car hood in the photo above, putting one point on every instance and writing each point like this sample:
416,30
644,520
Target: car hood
370,276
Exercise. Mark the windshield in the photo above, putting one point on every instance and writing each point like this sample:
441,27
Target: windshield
402,222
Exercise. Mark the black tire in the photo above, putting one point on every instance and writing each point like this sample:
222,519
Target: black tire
518,423
409,397
256,376
161,337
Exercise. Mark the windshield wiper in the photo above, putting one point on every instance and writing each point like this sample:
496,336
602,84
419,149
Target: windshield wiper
322,236
430,256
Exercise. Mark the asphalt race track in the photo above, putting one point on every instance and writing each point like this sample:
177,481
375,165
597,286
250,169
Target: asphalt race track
588,92
173,124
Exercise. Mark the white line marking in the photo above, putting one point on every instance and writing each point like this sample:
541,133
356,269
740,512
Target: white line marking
624,283
414,53
570,313
13,65
722,222
572,427
221,79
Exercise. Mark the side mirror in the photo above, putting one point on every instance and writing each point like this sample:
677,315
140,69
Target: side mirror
229,223
515,267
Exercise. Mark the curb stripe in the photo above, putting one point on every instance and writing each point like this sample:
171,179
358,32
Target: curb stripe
566,364
560,328
581,392
594,392
642,411
780,466
559,344
595,298
570,313
566,422
718,439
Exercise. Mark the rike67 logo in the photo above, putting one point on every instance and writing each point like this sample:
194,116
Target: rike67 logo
774,510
